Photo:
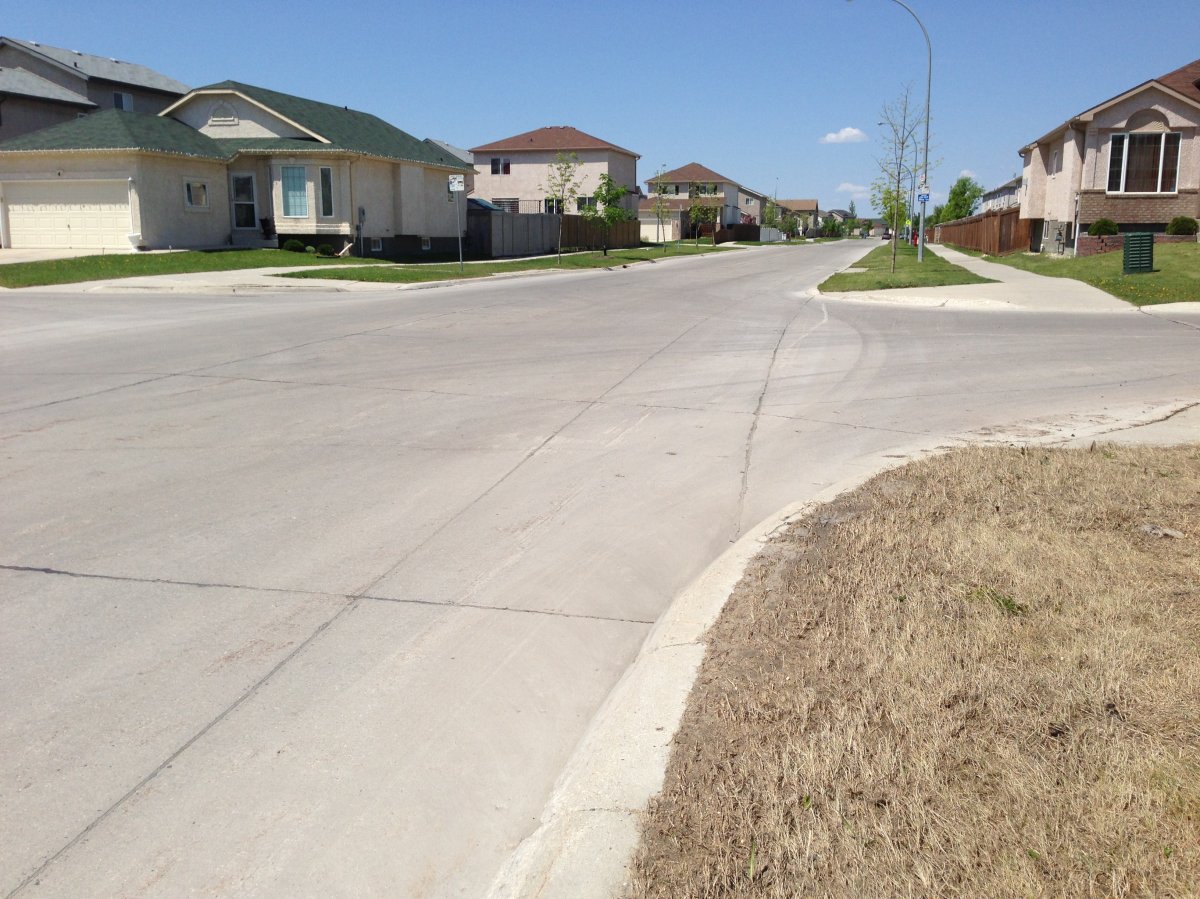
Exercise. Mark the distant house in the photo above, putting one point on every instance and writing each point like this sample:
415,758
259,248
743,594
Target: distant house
1006,196
42,86
230,164
513,172
737,204
1135,159
806,211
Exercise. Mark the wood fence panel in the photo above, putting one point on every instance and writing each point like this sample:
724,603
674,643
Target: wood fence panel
996,233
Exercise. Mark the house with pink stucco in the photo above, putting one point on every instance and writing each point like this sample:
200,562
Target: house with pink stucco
1134,158
513,172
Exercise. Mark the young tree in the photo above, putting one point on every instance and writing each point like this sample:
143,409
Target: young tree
963,199
790,226
607,210
900,123
703,211
770,217
562,186
662,208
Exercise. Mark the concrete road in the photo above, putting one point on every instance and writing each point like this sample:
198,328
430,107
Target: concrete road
310,595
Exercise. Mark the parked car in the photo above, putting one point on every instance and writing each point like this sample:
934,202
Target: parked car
887,235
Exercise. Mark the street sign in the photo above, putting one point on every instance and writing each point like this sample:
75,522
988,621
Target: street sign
457,183
923,198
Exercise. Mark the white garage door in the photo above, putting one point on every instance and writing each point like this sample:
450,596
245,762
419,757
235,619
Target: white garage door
68,214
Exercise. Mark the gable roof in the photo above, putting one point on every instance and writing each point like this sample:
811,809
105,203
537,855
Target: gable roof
799,205
553,137
693,171
115,129
101,67
332,128
1183,82
18,82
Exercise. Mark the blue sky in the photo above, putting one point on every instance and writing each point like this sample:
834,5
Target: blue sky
748,89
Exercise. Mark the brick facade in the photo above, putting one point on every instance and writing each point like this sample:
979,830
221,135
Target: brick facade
1093,246
1136,210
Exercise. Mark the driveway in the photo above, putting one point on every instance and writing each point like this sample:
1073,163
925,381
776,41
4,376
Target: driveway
312,595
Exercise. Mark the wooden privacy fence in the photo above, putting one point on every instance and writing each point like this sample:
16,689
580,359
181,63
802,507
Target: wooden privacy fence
996,233
579,232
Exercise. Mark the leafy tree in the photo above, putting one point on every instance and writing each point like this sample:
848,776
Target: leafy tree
963,199
607,210
790,226
832,228
853,212
887,192
562,185
770,216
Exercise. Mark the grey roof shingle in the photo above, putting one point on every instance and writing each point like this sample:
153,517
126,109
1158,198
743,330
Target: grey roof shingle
19,82
104,68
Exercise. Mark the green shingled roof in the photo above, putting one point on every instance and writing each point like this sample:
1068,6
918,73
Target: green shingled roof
345,129
114,129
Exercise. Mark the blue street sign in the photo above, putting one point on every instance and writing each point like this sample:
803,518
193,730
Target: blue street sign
923,198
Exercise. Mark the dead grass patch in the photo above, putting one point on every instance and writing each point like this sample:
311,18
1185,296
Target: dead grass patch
977,675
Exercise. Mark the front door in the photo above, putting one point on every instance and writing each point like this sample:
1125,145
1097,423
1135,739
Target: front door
242,195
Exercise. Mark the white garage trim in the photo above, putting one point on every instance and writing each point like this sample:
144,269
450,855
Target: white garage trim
68,214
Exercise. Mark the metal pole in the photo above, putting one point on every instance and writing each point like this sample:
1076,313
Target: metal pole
458,216
928,91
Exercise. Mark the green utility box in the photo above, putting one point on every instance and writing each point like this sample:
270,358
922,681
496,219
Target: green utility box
1139,253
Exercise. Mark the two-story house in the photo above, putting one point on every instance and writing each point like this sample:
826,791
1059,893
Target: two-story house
42,86
513,173
694,182
1135,159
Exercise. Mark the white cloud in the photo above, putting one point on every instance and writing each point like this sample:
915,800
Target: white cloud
966,173
857,191
847,135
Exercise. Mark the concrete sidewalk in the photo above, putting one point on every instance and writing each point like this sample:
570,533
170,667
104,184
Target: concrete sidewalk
1014,289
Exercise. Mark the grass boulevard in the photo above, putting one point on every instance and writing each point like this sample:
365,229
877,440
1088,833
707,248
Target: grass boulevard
976,675
126,265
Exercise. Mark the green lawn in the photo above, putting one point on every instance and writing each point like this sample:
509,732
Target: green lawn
130,265
407,274
933,272
1175,279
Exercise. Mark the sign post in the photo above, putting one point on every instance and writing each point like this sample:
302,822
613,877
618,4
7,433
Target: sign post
457,185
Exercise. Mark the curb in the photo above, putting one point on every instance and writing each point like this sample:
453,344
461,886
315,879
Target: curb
589,828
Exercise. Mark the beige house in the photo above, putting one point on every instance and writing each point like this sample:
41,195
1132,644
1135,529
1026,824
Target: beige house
513,173
230,165
738,204
42,86
1134,158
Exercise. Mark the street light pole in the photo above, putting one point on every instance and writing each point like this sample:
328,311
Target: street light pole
928,91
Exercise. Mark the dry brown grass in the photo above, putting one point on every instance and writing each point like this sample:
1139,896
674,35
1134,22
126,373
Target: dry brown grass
975,676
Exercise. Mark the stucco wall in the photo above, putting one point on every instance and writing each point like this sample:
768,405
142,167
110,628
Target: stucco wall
1178,116
22,115
252,120
101,93
166,219
530,173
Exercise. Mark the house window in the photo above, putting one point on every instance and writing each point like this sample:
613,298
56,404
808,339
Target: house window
426,243
508,204
196,194
554,205
326,191
1143,163
295,191
501,166
583,202
376,244
123,100
241,190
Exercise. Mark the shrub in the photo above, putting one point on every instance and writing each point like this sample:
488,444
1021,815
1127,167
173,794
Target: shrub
312,251
1183,224
324,250
1102,228
293,246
